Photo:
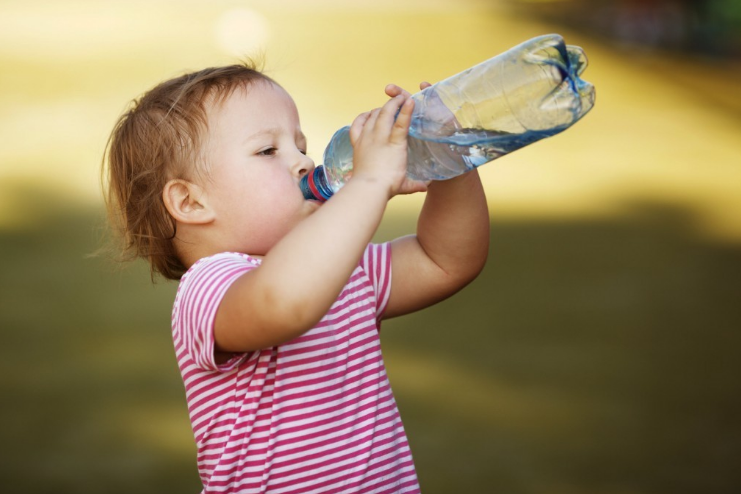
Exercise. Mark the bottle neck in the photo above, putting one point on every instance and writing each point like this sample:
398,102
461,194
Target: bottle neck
314,185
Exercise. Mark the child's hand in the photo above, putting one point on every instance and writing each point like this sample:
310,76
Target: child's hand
380,144
409,186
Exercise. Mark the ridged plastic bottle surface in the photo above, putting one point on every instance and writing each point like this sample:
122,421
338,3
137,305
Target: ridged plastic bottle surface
528,93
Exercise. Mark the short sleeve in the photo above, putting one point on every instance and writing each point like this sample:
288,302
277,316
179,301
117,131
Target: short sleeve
376,262
198,298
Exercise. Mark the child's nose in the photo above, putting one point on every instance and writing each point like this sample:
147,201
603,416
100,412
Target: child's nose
304,165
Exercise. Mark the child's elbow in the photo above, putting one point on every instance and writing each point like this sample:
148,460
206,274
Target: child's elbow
454,277
471,270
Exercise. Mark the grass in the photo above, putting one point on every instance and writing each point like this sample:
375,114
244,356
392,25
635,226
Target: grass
590,356
596,354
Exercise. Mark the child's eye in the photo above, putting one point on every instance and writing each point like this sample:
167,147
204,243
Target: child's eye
268,151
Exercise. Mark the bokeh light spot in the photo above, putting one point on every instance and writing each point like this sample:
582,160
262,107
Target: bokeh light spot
242,31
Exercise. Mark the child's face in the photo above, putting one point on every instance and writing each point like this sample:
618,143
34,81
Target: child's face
256,156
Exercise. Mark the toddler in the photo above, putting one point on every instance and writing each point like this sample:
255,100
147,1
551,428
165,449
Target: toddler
277,314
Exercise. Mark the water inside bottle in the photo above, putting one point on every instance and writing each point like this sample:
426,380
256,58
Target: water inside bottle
445,157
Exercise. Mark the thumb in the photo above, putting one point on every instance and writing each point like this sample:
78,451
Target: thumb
357,126
409,186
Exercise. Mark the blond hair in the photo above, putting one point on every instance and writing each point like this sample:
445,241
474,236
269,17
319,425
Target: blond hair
159,138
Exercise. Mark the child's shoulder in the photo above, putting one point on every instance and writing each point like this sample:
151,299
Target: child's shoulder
211,276
221,259
216,268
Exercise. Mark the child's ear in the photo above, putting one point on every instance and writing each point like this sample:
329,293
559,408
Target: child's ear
186,202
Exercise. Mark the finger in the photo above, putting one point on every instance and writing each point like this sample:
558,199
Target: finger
393,90
391,108
424,85
357,126
409,186
401,124
370,124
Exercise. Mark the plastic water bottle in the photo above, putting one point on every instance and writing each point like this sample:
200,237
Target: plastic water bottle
530,92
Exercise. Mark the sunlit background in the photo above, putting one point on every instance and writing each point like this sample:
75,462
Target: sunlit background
597,353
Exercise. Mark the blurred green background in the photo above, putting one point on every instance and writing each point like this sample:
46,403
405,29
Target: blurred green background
597,353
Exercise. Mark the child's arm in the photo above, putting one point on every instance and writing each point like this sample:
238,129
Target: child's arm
302,275
450,247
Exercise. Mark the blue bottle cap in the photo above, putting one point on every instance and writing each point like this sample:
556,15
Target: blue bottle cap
314,185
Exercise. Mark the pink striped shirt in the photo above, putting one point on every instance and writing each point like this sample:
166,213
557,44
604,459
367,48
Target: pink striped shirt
314,415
